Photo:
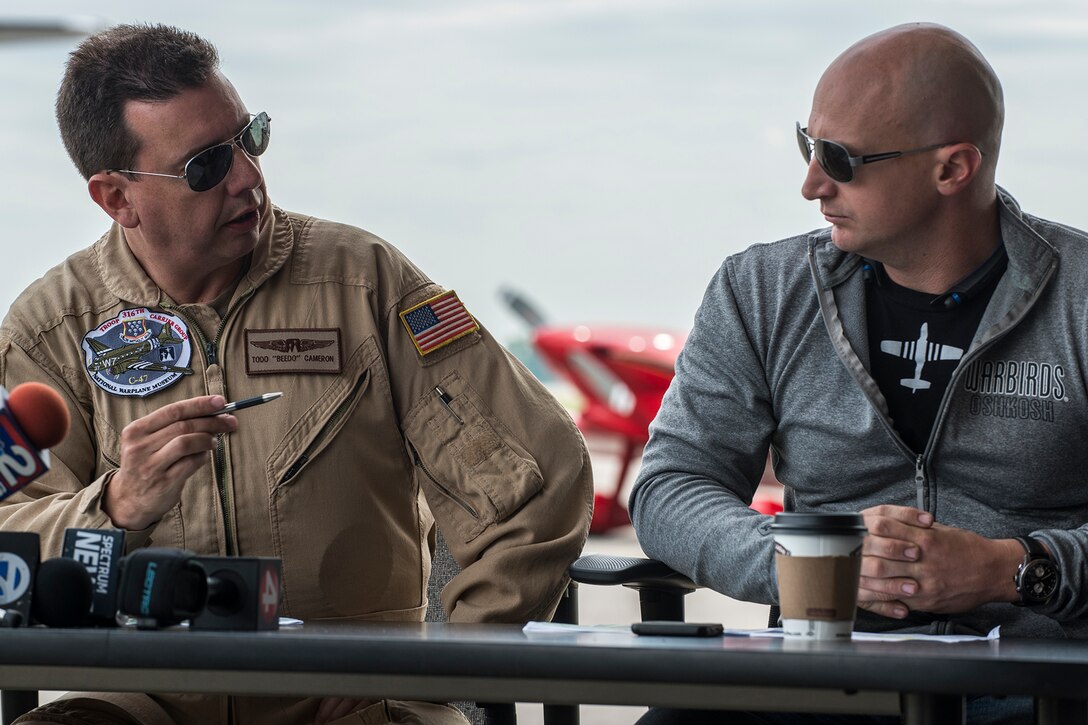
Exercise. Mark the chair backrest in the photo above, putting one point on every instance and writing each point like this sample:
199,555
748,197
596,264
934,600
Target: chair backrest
444,568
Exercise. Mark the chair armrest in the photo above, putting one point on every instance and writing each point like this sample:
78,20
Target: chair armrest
661,589
630,571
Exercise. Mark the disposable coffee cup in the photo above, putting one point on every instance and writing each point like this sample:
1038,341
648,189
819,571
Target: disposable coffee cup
818,561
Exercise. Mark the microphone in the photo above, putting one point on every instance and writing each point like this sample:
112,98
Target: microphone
62,593
100,551
33,418
56,592
163,587
19,555
243,593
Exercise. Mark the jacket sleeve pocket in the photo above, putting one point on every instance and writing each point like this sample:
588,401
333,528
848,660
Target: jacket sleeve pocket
479,472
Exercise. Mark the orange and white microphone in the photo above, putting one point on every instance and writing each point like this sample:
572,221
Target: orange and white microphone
33,418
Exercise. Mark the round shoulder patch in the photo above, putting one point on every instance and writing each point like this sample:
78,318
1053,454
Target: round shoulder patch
138,353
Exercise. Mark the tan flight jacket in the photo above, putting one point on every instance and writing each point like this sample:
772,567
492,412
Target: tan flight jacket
332,477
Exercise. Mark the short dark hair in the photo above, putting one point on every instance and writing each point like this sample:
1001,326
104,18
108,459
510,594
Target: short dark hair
120,64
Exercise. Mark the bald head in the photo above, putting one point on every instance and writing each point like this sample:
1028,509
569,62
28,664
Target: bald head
921,83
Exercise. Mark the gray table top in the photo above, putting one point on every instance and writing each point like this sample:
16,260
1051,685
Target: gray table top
335,658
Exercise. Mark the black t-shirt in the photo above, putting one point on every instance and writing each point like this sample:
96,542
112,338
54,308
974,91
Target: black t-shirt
916,341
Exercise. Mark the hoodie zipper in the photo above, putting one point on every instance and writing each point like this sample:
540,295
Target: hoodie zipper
965,362
921,483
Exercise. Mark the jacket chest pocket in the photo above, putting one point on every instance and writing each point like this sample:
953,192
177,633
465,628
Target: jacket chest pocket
480,472
319,424
342,496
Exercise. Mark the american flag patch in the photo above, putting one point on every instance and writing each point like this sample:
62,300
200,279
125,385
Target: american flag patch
437,322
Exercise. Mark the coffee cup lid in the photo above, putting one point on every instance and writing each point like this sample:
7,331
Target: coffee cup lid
790,522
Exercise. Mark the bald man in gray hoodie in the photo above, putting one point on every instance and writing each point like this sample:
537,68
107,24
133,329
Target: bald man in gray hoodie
922,361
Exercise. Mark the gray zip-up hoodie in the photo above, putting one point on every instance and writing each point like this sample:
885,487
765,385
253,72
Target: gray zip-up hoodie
778,358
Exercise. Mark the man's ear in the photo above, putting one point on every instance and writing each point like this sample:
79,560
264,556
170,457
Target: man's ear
960,164
110,191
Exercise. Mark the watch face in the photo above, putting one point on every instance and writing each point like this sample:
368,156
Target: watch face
1038,581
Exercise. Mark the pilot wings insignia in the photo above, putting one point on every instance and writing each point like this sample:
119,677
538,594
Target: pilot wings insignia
292,344
295,350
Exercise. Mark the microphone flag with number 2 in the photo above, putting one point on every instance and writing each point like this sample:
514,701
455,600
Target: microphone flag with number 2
20,460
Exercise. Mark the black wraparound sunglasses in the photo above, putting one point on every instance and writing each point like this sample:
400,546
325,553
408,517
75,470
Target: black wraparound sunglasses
209,167
837,162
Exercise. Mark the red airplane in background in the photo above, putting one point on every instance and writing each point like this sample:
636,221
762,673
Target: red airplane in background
622,374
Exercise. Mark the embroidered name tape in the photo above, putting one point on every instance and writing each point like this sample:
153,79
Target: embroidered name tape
437,322
293,350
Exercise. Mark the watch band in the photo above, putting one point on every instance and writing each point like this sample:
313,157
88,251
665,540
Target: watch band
1033,547
1037,578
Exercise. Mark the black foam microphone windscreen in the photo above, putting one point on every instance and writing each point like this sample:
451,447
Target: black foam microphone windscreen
161,587
62,593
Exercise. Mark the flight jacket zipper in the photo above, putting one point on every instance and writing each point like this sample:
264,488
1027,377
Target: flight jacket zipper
210,350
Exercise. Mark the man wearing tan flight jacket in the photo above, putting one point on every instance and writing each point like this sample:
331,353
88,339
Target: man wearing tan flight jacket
396,404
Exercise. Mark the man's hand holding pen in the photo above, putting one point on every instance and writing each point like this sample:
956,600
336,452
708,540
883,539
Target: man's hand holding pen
159,453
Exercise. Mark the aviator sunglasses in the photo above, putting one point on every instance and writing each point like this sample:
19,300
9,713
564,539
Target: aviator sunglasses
211,166
837,162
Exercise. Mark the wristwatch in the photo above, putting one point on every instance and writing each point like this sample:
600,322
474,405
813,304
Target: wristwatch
1038,577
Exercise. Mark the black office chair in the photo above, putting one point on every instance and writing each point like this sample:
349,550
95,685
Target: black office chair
444,568
661,589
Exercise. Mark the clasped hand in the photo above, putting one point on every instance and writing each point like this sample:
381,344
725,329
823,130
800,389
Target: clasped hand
910,562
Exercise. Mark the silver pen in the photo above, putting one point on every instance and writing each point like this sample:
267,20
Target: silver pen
247,403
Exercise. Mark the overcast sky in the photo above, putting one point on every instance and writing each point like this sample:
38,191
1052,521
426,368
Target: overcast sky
603,156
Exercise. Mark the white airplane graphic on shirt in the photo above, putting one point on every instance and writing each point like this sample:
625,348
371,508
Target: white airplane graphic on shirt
920,351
